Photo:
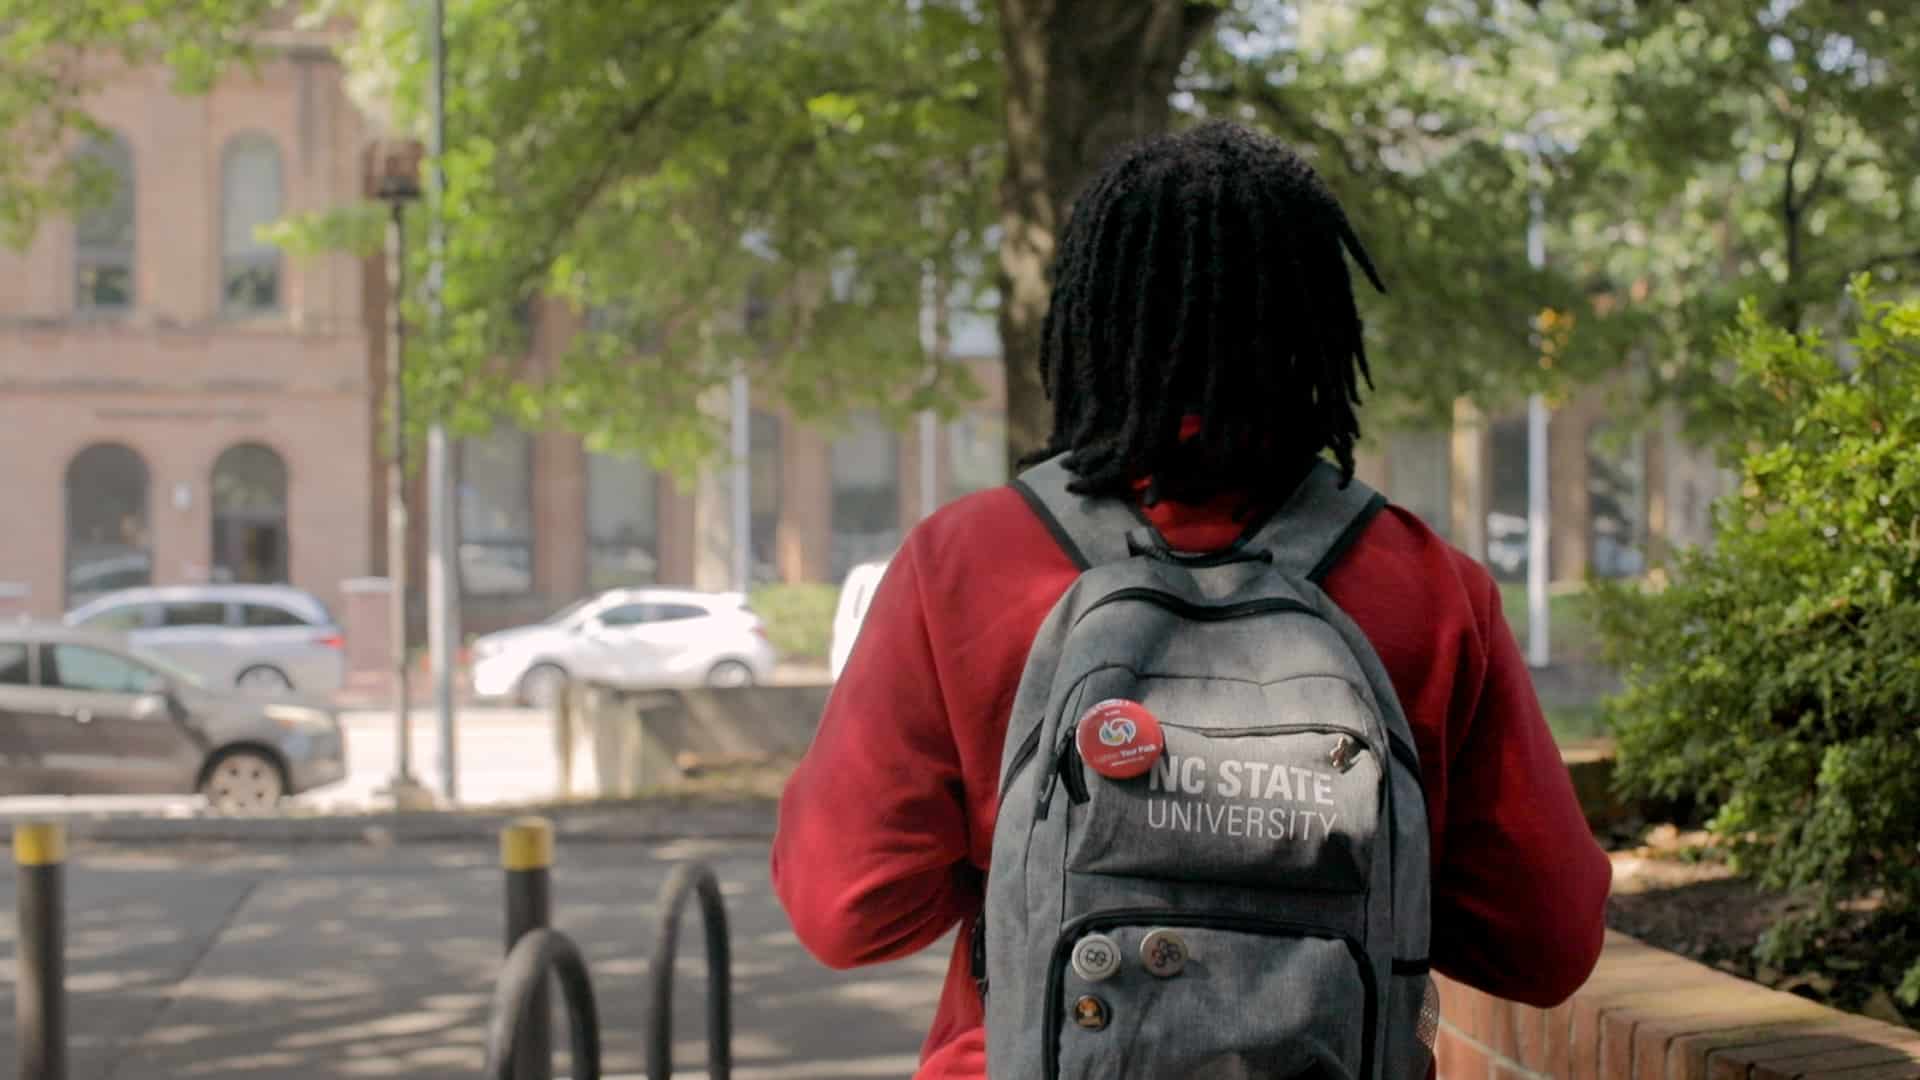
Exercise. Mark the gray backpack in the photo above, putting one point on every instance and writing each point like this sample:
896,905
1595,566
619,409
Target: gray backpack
1254,905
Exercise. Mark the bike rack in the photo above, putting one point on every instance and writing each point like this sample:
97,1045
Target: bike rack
691,878
536,955
544,951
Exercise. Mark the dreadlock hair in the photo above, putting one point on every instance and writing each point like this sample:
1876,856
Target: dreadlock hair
1204,273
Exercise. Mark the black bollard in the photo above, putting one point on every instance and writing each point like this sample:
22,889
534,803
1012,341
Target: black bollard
40,995
526,854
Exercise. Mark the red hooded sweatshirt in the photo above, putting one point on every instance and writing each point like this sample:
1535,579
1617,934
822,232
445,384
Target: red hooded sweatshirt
886,826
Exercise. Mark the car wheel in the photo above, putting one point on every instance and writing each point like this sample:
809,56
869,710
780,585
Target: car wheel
264,678
542,687
730,673
243,782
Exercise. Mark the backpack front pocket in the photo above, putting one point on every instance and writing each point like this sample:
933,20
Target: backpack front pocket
1199,996
1288,806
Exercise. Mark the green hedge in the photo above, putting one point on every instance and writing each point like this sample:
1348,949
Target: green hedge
1776,678
799,618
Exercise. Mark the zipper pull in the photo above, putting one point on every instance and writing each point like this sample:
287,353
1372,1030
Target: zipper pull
1344,753
1074,774
1051,778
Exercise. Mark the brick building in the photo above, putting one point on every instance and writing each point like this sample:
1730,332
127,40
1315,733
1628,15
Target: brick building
174,394
180,403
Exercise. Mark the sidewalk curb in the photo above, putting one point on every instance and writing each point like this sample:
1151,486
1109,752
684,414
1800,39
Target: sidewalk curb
626,822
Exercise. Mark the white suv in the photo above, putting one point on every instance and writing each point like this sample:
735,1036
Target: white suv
630,637
856,595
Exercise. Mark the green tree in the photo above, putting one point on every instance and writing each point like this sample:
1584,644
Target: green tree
1429,120
1774,677
708,183
858,147
1767,150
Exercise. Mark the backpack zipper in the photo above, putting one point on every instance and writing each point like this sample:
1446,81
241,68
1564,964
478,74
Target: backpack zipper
1346,734
1105,920
1073,775
1067,760
1187,609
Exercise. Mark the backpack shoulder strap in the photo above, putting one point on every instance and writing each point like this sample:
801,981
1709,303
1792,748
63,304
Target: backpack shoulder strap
1093,532
1318,524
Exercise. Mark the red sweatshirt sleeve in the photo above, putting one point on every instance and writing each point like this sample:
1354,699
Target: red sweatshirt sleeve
1520,891
872,837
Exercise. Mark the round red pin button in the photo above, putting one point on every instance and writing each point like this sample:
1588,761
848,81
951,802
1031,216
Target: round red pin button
1119,739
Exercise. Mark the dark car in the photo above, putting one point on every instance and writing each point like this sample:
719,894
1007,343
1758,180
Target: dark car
84,713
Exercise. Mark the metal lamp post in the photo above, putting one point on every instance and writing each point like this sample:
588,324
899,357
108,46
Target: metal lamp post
398,186
1539,419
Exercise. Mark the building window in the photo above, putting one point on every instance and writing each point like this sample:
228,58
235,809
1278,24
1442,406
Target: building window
1507,516
108,546
250,194
250,516
1420,467
866,495
1616,504
764,482
496,513
103,230
623,523
976,452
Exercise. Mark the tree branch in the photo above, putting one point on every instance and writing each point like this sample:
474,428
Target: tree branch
1196,21
628,122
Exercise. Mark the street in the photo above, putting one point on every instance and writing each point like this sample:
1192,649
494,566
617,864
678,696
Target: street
381,963
506,755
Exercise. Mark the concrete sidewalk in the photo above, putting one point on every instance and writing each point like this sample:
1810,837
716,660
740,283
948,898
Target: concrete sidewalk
380,962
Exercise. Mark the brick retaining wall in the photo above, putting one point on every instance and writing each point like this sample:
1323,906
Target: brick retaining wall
1647,1014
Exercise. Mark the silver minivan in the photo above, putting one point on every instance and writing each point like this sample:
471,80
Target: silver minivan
266,638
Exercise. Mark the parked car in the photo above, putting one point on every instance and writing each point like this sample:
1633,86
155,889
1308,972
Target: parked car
1507,544
268,638
86,713
634,637
856,595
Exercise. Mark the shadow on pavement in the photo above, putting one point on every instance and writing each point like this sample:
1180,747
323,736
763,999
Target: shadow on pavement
339,963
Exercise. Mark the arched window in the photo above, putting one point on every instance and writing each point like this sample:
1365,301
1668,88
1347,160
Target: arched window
250,516
103,228
250,196
623,521
866,495
764,480
108,546
496,513
1616,503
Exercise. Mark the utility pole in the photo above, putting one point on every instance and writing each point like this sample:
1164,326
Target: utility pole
443,596
398,186
1539,646
742,473
930,345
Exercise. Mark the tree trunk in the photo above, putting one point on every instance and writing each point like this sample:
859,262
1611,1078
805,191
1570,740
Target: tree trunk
1083,77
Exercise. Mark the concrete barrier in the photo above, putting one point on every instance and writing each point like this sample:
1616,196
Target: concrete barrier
646,739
